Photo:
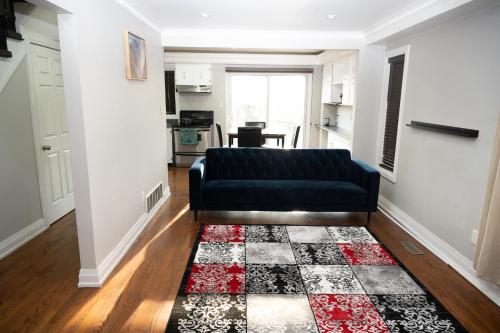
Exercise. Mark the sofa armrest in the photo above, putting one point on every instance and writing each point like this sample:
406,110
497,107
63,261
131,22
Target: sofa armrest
368,178
196,182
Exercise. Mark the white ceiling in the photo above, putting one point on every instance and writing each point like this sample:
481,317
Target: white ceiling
293,15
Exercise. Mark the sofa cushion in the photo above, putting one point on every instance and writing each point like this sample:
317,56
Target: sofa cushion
279,164
305,192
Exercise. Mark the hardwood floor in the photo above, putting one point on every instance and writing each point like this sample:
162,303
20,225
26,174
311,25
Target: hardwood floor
38,290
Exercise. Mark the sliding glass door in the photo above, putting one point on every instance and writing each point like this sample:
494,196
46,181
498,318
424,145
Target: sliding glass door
278,99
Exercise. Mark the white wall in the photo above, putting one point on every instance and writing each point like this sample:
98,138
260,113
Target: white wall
366,110
21,216
453,79
125,127
20,204
117,127
36,19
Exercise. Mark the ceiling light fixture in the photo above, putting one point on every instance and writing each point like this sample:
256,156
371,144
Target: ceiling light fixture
331,16
204,15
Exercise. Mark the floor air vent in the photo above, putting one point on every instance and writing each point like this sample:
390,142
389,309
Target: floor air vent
153,197
410,247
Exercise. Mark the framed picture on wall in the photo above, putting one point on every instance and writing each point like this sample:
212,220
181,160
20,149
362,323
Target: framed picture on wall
135,57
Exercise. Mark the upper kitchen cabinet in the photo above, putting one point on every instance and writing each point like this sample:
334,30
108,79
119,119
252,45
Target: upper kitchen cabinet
339,82
338,72
193,75
327,74
332,82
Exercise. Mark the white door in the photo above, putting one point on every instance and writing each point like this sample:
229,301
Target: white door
51,131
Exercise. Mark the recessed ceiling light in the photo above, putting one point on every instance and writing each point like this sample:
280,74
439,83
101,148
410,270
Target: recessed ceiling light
204,15
331,16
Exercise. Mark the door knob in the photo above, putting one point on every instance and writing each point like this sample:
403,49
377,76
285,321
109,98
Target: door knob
46,147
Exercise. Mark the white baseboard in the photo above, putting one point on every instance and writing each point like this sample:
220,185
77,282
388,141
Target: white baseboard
440,248
95,278
21,237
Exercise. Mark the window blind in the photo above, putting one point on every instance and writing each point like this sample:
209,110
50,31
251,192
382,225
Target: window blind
392,112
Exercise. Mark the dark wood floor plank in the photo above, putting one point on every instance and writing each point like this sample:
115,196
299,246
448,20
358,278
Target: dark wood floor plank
38,290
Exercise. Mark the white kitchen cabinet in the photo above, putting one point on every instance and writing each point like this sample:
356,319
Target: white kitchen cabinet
327,74
339,79
338,73
326,93
193,74
332,88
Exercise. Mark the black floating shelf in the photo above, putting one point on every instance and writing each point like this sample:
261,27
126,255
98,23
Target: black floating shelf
466,132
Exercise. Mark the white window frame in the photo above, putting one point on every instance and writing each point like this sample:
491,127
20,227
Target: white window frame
308,99
392,176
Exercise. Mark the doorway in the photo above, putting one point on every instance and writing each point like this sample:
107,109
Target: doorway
281,100
50,126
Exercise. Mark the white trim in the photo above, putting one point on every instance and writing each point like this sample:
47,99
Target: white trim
18,54
439,247
308,108
95,278
392,176
270,39
9,245
413,15
410,16
133,8
88,278
241,58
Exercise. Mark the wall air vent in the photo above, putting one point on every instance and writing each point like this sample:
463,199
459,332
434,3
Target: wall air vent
153,197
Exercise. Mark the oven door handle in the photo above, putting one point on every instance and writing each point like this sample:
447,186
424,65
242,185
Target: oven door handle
199,130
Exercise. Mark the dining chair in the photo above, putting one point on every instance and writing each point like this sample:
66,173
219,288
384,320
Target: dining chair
295,137
219,133
261,124
249,137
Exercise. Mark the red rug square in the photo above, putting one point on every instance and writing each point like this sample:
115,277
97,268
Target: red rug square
223,233
366,254
346,313
216,278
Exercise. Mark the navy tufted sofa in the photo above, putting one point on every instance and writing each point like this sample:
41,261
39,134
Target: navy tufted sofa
324,180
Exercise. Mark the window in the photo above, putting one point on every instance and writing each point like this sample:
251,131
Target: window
279,99
391,116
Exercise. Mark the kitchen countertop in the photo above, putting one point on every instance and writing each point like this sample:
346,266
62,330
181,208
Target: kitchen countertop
337,130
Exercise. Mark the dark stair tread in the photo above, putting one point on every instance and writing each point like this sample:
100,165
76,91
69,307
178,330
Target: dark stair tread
5,53
11,34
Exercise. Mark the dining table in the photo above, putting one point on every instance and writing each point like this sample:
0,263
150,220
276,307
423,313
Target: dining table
265,135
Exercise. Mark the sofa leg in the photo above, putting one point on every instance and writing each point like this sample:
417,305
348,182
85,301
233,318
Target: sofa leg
196,215
368,218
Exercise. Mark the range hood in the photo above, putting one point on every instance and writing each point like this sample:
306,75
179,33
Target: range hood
193,89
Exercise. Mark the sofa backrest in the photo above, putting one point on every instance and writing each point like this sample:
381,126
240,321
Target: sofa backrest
263,163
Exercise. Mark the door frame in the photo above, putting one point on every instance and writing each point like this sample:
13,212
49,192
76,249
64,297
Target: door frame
307,100
33,38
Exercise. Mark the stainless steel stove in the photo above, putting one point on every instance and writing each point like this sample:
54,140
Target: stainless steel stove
203,122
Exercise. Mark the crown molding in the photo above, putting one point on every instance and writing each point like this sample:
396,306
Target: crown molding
239,58
413,16
133,8
262,39
409,17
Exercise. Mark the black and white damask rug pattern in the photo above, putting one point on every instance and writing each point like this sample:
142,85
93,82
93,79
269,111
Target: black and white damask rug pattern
300,279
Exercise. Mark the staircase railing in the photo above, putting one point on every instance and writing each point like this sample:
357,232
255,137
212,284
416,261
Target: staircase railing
7,26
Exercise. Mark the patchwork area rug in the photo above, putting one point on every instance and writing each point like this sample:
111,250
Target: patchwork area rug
300,279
